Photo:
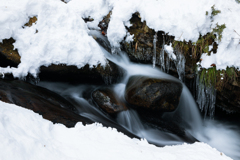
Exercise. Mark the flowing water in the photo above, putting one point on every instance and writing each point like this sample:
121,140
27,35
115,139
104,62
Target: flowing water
225,137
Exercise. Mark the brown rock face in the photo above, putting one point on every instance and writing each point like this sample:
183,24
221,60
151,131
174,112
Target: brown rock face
107,101
50,105
151,94
8,55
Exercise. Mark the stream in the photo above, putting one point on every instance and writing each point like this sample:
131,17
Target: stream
221,135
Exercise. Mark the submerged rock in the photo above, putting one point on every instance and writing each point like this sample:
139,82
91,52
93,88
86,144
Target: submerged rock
50,105
107,101
153,95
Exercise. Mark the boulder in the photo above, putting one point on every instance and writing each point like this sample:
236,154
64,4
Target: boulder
152,94
107,101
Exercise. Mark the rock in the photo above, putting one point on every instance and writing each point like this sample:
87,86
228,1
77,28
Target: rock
153,95
141,49
109,74
8,55
228,99
107,101
50,105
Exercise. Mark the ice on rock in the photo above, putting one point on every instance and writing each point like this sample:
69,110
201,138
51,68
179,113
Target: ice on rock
206,98
180,64
161,56
154,49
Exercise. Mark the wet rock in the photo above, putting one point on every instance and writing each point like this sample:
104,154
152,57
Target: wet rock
153,95
50,105
109,74
107,101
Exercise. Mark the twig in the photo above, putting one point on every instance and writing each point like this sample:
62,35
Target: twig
180,36
236,32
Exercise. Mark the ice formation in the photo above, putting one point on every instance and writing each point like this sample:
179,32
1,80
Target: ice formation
206,98
161,57
154,49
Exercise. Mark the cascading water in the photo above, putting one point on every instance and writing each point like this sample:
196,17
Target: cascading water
222,136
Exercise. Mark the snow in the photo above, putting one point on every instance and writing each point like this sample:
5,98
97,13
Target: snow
26,135
63,37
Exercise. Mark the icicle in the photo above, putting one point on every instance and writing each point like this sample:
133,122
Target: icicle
161,57
154,49
180,64
206,98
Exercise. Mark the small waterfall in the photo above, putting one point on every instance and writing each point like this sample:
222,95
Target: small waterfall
154,49
180,64
161,57
206,98
130,120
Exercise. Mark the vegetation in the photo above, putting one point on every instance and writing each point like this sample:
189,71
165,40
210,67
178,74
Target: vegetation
219,78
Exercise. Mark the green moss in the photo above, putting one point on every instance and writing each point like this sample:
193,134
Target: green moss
218,78
218,30
214,11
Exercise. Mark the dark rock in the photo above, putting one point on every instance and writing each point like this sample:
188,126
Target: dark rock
109,74
8,55
151,94
228,99
106,100
50,105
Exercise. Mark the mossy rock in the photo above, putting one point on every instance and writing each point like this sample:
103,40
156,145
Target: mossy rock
8,55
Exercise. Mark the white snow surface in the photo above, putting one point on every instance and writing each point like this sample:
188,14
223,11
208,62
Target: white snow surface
26,135
63,37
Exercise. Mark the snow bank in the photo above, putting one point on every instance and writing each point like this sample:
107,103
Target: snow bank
63,37
59,36
26,135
